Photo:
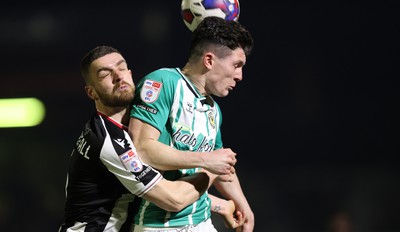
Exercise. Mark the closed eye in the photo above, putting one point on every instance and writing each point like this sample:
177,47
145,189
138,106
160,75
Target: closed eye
102,73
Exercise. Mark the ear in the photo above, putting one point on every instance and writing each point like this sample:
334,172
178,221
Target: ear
91,92
208,60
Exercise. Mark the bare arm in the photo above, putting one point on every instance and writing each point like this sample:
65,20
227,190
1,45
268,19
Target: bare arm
173,196
226,209
163,157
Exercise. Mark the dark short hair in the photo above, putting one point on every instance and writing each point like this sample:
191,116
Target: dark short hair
92,55
220,33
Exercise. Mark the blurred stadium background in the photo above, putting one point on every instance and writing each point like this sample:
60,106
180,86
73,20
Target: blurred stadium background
315,121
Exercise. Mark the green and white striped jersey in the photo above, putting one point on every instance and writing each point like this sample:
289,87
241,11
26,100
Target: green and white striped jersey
186,121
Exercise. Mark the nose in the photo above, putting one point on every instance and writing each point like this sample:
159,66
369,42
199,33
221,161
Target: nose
238,75
118,75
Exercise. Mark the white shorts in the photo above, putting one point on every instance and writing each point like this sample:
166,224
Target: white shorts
205,226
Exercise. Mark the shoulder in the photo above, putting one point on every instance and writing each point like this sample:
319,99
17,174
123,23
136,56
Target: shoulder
100,126
95,126
164,75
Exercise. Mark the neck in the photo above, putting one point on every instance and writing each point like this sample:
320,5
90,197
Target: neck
197,80
119,114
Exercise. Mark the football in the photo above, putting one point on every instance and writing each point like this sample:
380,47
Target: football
194,11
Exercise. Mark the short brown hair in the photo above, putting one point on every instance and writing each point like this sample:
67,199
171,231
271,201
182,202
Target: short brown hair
94,54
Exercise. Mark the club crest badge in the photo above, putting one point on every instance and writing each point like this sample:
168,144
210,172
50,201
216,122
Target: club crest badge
211,119
150,91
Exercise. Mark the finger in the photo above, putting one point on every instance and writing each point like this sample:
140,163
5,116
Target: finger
239,216
234,161
239,219
232,170
234,158
231,161
225,178
237,223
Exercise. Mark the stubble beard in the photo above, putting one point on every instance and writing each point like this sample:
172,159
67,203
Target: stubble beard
117,99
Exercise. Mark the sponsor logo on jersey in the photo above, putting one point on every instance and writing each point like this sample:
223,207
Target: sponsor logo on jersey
150,91
147,108
131,161
199,143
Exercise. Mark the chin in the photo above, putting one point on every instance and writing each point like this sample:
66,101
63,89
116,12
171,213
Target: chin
126,97
225,94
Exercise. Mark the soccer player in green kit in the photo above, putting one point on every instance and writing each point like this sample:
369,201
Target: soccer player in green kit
174,118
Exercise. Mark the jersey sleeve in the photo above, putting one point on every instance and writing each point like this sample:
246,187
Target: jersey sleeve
154,98
119,156
134,174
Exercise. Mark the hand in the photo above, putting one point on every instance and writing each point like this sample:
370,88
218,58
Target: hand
232,218
227,177
248,225
220,161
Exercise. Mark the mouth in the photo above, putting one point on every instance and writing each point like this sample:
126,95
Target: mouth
123,87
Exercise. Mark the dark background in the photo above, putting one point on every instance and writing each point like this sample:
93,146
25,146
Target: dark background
315,121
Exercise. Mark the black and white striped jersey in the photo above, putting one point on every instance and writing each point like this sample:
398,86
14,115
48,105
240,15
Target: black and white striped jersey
105,174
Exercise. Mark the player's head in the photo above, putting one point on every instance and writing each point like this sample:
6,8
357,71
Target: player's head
108,78
221,36
92,55
219,48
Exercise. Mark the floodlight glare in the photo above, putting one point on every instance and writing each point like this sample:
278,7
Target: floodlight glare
21,112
